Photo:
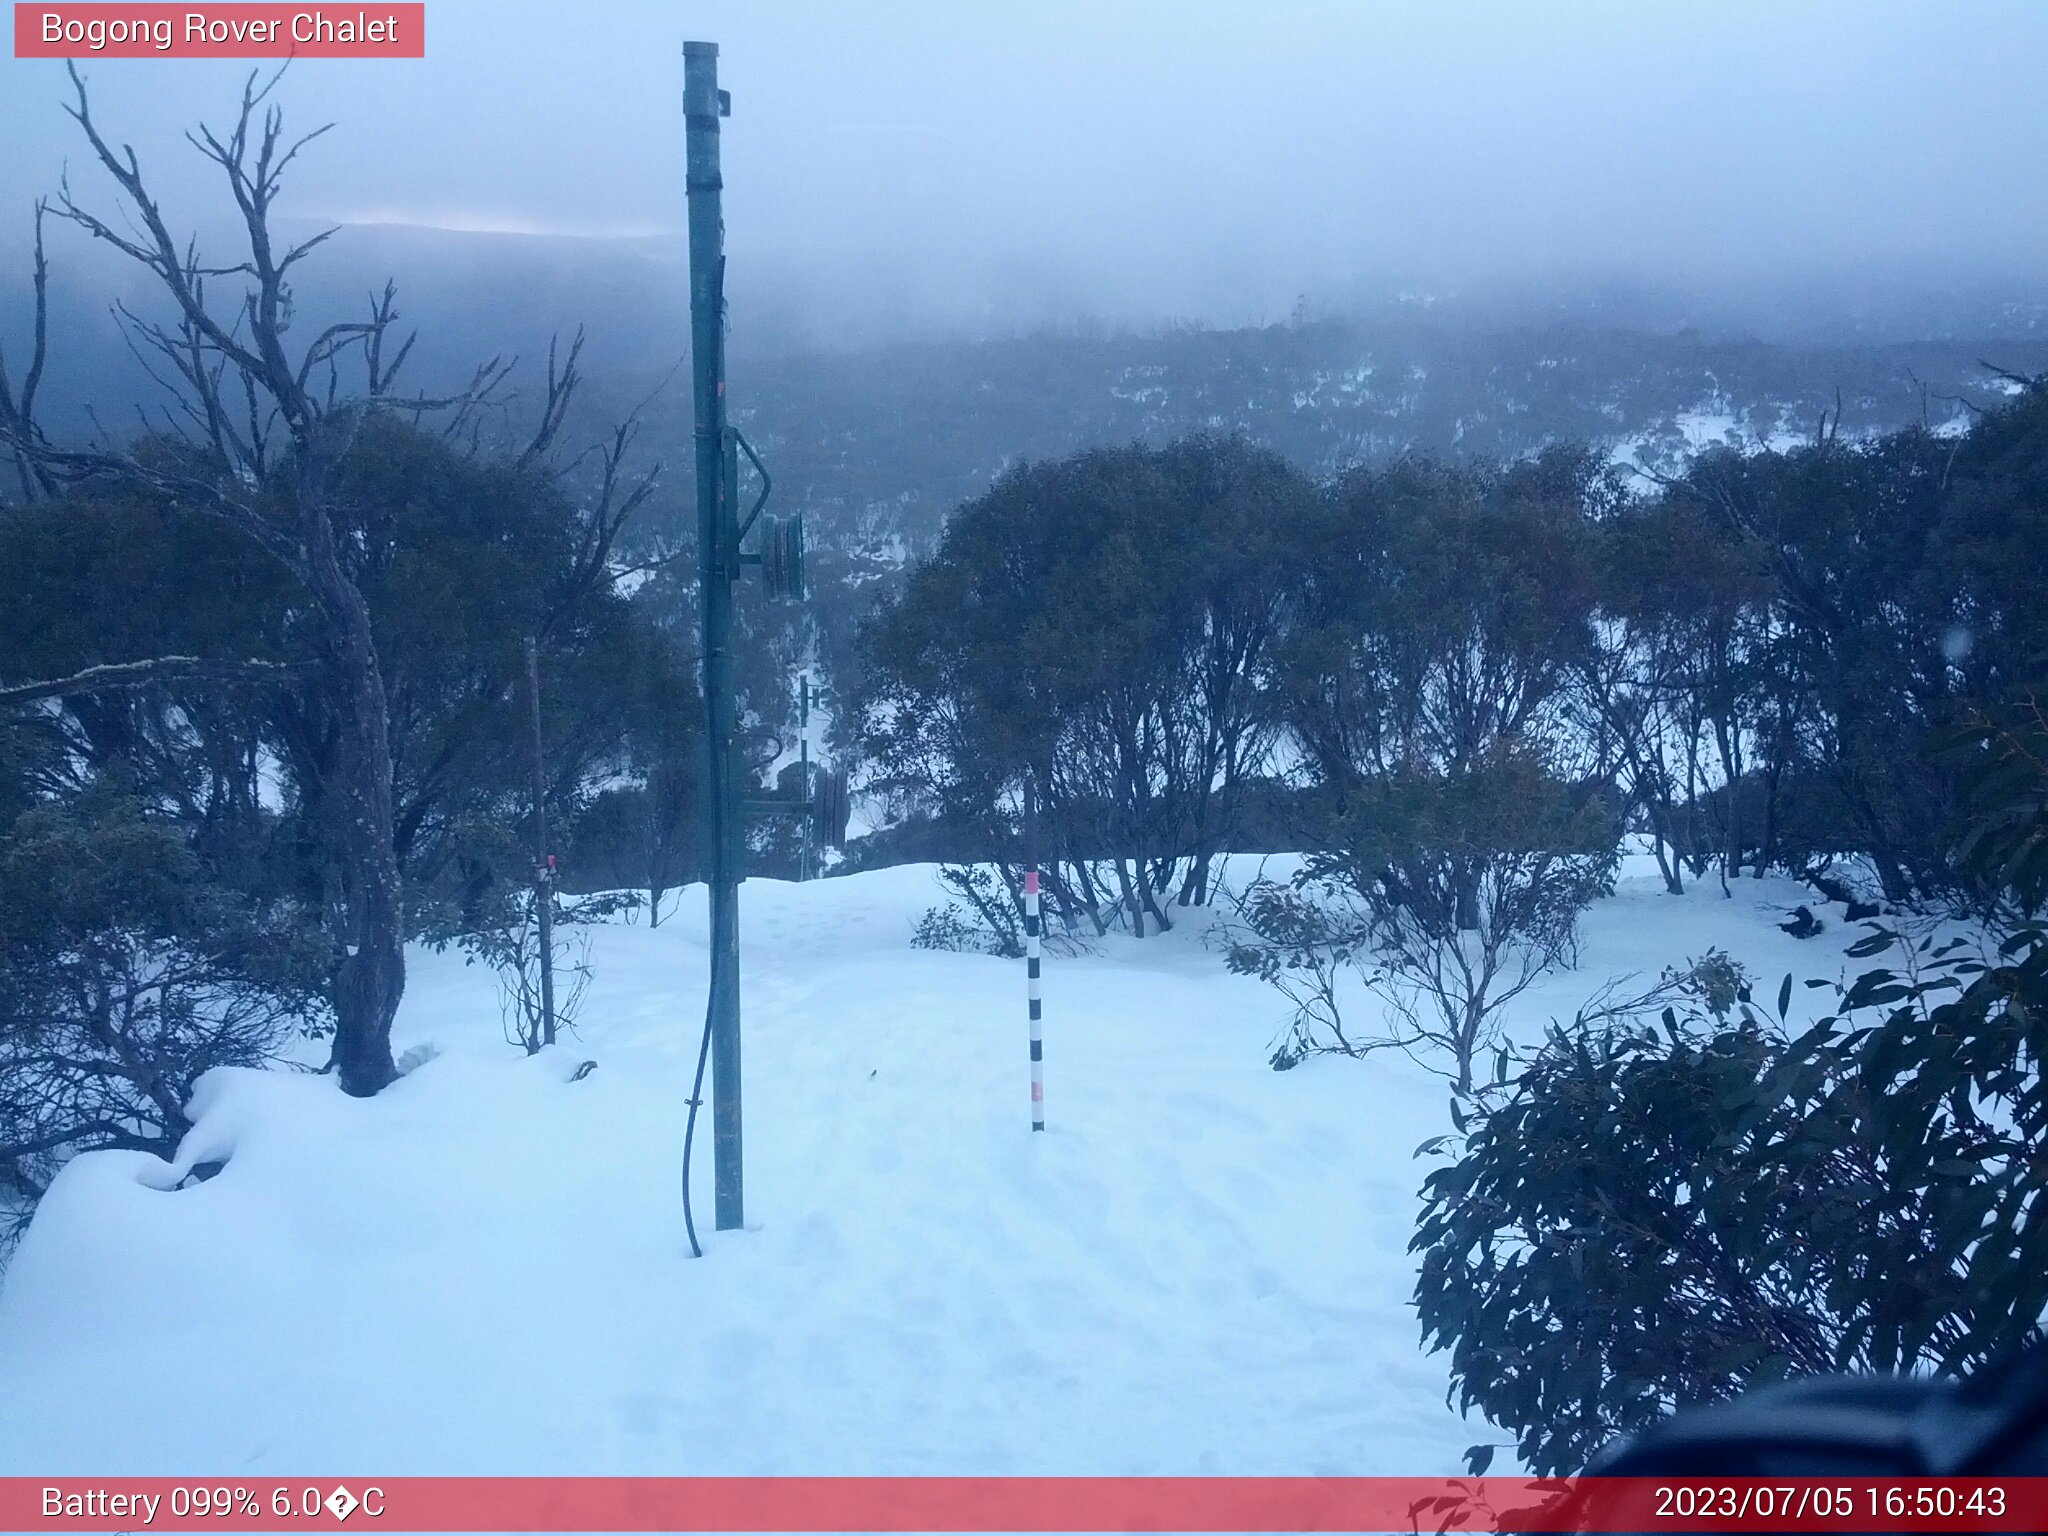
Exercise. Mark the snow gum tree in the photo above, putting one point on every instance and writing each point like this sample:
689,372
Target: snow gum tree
377,581
1456,823
266,430
1103,624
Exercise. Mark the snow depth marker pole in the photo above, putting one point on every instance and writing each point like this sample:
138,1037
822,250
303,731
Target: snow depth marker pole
1032,930
543,861
803,739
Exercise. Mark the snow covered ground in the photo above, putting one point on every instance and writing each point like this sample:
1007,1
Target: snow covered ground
1201,1267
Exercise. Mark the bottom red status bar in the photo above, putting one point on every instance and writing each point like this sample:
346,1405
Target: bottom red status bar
1054,1504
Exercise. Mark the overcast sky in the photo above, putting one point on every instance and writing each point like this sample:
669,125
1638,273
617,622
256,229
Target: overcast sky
1145,158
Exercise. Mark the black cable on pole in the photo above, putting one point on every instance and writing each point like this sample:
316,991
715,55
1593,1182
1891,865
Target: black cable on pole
690,1129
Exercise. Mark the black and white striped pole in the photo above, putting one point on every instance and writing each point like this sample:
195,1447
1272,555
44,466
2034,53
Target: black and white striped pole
803,738
1033,933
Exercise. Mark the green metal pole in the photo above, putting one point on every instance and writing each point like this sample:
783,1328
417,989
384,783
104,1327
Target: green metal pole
717,557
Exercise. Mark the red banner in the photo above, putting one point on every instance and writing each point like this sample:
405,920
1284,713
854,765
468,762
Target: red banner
240,31
1055,1504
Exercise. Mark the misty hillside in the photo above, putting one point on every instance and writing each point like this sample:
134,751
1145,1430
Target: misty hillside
877,441
881,445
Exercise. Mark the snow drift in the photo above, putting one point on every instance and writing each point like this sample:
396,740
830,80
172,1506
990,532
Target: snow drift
1202,1267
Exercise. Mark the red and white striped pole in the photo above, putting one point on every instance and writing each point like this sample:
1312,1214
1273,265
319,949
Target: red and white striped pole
1032,930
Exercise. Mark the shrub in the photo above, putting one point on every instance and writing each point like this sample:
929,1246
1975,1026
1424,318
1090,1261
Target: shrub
946,927
1649,1217
509,944
1657,1215
998,908
124,975
1447,895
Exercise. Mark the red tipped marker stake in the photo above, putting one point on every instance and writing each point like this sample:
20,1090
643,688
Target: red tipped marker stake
1032,929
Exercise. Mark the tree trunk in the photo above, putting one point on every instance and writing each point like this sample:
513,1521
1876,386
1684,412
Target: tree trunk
1774,777
1667,867
1131,903
1767,848
371,978
1091,899
1150,896
1466,896
1728,741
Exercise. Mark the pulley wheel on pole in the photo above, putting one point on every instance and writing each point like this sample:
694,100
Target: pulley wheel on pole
832,806
782,558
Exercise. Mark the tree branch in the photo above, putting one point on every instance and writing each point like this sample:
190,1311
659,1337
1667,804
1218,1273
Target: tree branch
141,674
17,412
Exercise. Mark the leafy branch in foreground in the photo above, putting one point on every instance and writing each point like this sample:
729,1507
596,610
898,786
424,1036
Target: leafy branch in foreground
1660,1213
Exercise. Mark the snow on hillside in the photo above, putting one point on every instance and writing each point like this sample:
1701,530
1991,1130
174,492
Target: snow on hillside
1664,446
1201,1267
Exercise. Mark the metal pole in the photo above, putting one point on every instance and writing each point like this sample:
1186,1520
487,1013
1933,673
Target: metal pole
717,555
1033,927
543,863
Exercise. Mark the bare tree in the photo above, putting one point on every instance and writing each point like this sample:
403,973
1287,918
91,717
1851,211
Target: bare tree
258,435
18,407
